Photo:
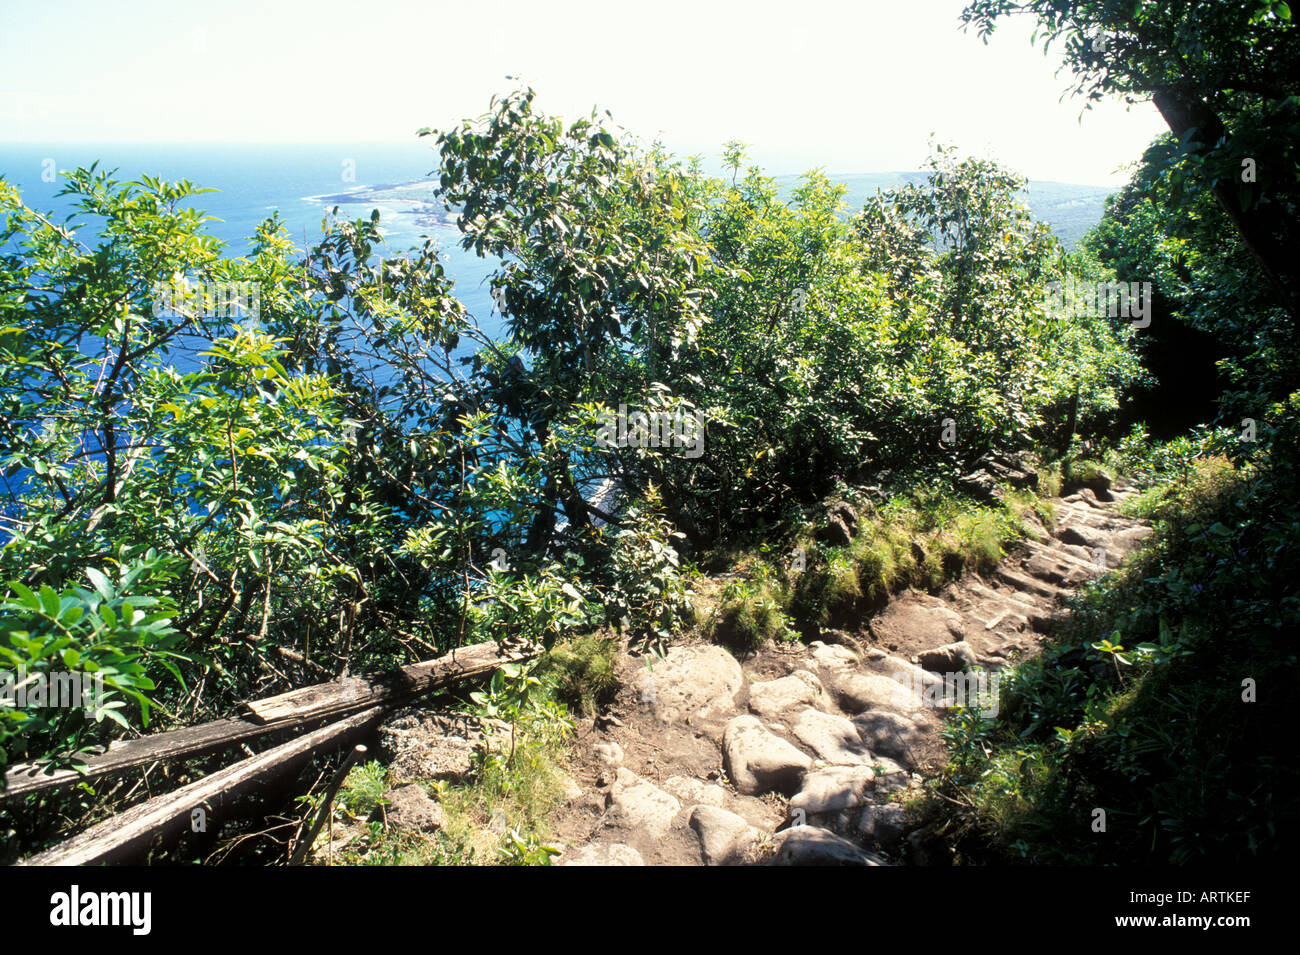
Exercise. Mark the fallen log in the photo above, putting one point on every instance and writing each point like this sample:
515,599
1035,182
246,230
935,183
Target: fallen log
353,693
292,711
130,833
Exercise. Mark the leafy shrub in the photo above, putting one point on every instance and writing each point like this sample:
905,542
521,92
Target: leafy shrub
647,595
363,790
584,671
115,635
749,614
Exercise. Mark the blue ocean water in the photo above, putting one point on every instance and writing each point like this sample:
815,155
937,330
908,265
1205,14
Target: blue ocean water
253,181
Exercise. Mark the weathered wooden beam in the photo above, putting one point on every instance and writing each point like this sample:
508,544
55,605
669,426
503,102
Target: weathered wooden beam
353,693
131,833
296,710
188,743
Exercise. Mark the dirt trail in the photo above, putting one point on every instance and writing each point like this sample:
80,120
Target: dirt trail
800,754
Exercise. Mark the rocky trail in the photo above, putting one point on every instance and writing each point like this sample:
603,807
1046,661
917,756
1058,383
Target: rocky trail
800,754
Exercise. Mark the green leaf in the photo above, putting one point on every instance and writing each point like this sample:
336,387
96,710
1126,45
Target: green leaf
100,583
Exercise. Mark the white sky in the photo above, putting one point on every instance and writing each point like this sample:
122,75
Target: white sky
851,86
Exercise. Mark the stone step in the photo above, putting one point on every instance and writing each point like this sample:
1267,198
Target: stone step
1058,552
1012,599
1026,584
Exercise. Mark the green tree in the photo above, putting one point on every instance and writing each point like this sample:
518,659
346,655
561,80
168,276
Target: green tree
1226,78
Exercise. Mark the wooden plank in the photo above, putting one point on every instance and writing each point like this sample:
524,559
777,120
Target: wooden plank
132,832
189,743
293,711
328,699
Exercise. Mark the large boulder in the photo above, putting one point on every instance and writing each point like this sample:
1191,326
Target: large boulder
832,789
856,692
949,658
891,734
841,524
772,698
912,676
692,684
981,485
829,659
724,836
638,804
696,791
1008,469
759,761
833,738
425,745
809,845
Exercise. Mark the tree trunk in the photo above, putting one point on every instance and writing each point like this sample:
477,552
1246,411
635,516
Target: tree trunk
1266,231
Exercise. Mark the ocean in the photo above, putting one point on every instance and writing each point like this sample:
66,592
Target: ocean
301,182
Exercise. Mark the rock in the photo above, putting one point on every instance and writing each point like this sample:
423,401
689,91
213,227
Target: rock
808,845
693,684
420,744
920,620
980,485
641,805
845,512
609,754
836,533
883,824
774,697
1084,536
695,791
411,809
912,676
875,494
1128,539
758,761
860,691
572,791
723,835
833,789
1007,469
833,738
1090,476
611,853
890,734
890,776
949,658
831,659
1084,495
841,524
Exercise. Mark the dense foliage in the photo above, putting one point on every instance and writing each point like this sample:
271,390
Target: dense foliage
345,472
1159,704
